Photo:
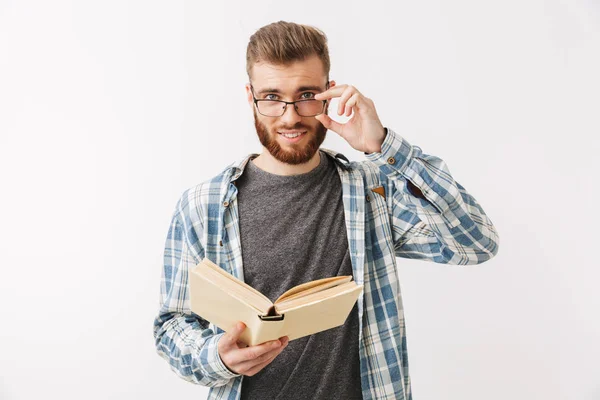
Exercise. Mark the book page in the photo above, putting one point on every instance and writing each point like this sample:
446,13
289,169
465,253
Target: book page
312,287
323,295
308,318
220,305
241,289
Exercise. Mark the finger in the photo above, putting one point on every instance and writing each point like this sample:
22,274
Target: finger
263,361
330,124
259,367
344,98
269,355
253,352
353,102
335,91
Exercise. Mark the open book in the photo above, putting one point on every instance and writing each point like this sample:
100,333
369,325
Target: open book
311,307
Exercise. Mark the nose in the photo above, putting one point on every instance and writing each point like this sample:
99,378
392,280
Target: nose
290,116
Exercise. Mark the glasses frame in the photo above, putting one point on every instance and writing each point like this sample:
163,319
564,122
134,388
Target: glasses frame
286,104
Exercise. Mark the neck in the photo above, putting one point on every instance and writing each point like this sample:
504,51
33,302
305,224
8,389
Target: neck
268,163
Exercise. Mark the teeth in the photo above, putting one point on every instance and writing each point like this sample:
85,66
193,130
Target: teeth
291,135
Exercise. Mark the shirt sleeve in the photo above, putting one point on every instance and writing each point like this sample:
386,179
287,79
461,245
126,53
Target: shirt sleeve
182,338
433,216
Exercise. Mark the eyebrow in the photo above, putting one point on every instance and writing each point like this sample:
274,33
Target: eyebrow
300,89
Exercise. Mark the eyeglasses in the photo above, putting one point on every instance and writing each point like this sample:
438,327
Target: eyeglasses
276,108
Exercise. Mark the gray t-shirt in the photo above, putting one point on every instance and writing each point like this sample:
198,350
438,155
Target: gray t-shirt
292,231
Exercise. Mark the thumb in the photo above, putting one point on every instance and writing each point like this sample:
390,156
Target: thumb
329,123
234,334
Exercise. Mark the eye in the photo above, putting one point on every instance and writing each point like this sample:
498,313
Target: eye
310,93
267,96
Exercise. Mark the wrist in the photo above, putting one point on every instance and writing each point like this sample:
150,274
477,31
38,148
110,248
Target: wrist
378,149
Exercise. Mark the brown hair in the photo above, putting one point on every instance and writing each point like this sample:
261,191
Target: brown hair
282,42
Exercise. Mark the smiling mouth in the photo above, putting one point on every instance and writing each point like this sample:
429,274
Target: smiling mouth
292,135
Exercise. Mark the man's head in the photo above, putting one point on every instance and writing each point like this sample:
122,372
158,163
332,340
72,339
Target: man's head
287,61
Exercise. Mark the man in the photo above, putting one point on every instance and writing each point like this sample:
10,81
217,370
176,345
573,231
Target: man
296,213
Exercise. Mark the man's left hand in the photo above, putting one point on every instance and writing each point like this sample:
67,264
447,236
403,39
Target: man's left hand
364,131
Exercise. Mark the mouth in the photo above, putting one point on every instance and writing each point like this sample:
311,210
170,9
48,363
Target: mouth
292,136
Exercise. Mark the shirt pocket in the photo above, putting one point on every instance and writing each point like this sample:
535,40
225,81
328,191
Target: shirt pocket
378,234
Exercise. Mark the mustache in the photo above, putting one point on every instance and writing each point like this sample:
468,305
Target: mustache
293,128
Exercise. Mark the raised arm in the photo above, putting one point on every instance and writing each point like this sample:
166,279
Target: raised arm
433,216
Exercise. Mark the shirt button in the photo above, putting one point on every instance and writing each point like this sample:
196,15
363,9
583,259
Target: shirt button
226,203
391,160
368,198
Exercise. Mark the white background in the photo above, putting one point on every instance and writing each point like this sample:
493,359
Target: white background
110,110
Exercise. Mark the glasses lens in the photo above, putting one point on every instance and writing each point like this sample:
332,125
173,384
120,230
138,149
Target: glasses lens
309,108
271,108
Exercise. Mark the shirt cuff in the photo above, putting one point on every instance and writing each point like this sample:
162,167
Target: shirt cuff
209,357
395,154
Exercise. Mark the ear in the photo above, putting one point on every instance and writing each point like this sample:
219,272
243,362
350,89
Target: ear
249,95
331,84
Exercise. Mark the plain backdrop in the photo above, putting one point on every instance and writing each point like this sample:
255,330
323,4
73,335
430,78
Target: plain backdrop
110,110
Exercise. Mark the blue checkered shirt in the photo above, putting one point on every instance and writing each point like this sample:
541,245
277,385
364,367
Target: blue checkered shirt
399,202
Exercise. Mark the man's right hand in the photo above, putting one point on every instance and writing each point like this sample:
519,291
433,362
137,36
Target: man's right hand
247,360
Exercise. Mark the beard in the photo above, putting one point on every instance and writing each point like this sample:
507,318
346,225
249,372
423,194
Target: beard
298,153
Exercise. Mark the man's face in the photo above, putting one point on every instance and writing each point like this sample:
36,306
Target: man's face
296,81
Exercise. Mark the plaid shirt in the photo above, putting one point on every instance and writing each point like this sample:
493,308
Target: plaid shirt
399,202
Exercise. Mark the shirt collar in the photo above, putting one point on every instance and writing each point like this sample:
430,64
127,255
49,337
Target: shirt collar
236,169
